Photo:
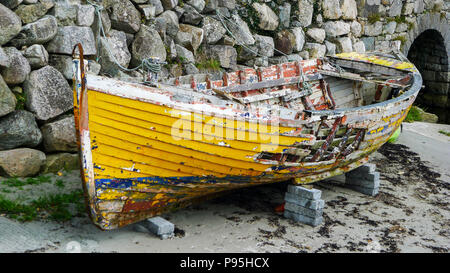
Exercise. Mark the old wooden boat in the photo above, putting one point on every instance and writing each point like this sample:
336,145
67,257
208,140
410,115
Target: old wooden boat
147,149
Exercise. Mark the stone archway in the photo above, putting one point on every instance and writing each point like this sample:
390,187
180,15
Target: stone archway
428,47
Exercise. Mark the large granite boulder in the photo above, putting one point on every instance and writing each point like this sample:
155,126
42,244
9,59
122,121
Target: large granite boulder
62,63
4,59
7,99
240,29
61,161
169,4
37,56
47,93
39,32
331,9
10,24
21,162
285,41
60,135
147,43
268,20
305,12
19,128
226,55
170,21
32,12
124,16
18,68
213,30
67,37
114,48
191,15
265,45
196,35
336,28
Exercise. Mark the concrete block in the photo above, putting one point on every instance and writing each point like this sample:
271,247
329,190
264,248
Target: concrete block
302,210
363,190
159,226
363,182
304,202
304,192
366,168
303,219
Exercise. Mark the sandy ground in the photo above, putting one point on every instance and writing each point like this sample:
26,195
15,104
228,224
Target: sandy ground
410,214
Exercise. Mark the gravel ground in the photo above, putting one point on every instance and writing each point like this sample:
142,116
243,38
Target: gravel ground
410,214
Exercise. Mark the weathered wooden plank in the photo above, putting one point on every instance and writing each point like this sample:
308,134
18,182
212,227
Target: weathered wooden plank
269,83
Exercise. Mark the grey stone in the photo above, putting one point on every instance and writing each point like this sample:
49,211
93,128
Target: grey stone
359,47
284,14
344,44
67,37
19,128
316,50
31,13
408,8
303,219
184,55
336,28
229,4
268,20
331,9
190,69
158,6
10,24
211,5
369,43
299,38
18,68
349,9
390,27
63,64
396,8
39,32
4,59
11,4
317,34
419,6
147,43
191,15
59,136
37,56
159,226
356,28
106,22
240,29
61,161
196,35
361,182
7,99
171,22
85,15
303,192
226,55
374,29
199,5
47,93
124,16
331,48
265,45
65,13
363,190
305,12
21,162
247,53
213,30
183,38
114,49
169,4
148,11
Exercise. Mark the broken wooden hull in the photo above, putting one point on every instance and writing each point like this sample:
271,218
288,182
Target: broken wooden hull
147,150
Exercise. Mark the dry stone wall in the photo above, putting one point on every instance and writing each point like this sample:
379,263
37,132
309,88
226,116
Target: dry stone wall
194,37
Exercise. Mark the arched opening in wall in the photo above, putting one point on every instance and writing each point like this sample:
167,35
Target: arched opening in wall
428,53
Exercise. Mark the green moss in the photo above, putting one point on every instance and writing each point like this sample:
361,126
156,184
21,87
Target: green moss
400,38
21,100
373,18
208,64
414,114
444,133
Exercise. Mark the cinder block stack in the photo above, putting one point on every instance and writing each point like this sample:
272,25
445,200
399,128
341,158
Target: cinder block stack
364,179
304,205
